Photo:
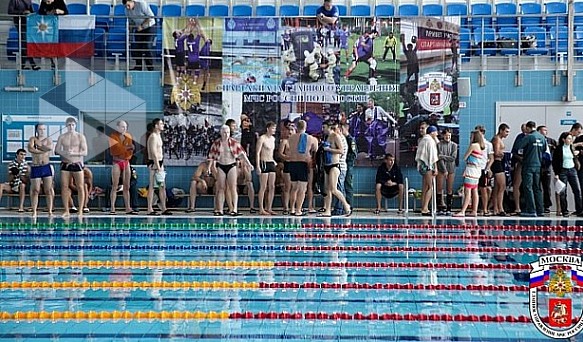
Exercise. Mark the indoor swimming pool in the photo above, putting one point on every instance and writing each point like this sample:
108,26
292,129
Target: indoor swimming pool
272,279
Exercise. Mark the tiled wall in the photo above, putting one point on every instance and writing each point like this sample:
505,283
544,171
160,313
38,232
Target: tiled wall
480,108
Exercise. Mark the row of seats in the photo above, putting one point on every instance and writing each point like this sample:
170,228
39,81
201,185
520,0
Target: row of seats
531,40
505,12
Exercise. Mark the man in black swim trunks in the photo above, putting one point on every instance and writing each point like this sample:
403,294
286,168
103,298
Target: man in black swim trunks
301,147
266,169
72,147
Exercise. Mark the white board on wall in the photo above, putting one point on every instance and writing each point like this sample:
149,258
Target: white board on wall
557,116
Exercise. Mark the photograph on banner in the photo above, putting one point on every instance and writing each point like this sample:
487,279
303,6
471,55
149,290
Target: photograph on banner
428,87
310,61
251,55
193,109
373,122
369,48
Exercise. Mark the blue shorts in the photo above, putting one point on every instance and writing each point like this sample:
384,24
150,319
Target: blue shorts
41,171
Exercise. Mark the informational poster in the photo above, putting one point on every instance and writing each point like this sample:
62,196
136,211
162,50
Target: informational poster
17,129
381,76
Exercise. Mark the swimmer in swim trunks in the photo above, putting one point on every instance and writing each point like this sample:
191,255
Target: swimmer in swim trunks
333,149
72,147
301,148
202,182
223,156
290,129
40,147
266,167
156,166
121,148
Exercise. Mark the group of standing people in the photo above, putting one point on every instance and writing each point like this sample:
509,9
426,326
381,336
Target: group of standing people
230,160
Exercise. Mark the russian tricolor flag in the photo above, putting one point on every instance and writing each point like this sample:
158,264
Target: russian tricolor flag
577,276
422,86
539,278
447,86
60,36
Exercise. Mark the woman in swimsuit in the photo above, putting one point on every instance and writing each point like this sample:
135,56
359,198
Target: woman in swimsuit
223,157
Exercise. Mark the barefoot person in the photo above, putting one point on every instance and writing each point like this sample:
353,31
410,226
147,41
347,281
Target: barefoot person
121,147
156,167
223,157
333,149
72,147
301,147
283,150
40,147
474,158
266,167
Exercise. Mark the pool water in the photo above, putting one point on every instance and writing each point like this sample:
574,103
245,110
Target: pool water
272,279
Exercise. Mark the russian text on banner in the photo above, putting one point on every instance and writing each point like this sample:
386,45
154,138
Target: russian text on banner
60,36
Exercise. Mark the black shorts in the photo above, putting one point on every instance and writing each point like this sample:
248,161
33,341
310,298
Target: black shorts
267,167
72,167
285,167
179,59
193,65
298,171
150,163
497,166
389,191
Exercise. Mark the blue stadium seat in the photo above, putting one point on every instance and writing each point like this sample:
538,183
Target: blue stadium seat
310,10
77,8
540,35
218,10
432,10
119,17
385,10
242,10
579,42
12,43
289,10
194,10
116,42
509,40
342,10
408,10
532,14
101,13
558,39
465,43
35,7
360,10
486,35
578,9
506,15
154,9
265,11
481,15
556,14
171,10
458,10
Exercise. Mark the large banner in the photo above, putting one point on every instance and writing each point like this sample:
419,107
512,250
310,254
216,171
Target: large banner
382,76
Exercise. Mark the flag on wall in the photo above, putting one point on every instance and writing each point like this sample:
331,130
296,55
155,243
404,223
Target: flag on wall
60,36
